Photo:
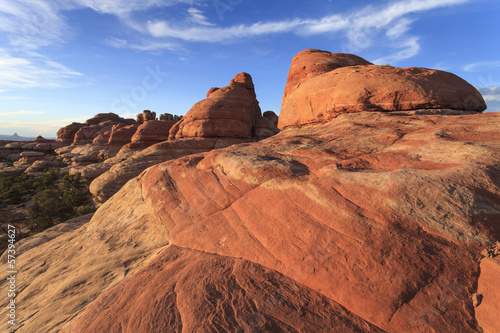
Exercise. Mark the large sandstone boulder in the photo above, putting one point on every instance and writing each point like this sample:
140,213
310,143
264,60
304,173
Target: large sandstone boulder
348,86
230,111
102,118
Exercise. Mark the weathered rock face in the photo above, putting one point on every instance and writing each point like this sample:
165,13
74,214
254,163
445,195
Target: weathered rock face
373,215
228,116
230,111
339,88
310,63
86,134
180,296
121,134
102,118
169,116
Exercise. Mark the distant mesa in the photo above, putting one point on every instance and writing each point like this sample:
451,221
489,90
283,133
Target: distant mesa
322,85
15,137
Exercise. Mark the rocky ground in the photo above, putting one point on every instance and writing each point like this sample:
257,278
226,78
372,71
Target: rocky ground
372,210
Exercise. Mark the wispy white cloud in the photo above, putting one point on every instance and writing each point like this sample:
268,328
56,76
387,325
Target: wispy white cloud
33,70
123,8
360,28
481,66
144,45
31,24
196,16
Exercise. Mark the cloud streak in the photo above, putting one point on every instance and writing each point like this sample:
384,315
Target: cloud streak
360,28
33,70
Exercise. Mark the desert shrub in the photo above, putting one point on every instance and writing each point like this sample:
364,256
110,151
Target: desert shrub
16,189
386,65
62,201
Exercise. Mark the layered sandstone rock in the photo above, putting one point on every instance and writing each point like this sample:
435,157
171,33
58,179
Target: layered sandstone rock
146,115
322,85
121,135
230,111
81,259
129,164
67,134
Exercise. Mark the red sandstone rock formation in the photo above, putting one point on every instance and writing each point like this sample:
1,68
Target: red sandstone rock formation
487,298
228,116
146,115
230,111
334,89
97,128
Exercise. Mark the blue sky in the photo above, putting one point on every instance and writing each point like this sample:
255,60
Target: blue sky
67,60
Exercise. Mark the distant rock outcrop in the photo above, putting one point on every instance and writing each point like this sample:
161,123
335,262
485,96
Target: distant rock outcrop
231,111
99,126
146,115
322,85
